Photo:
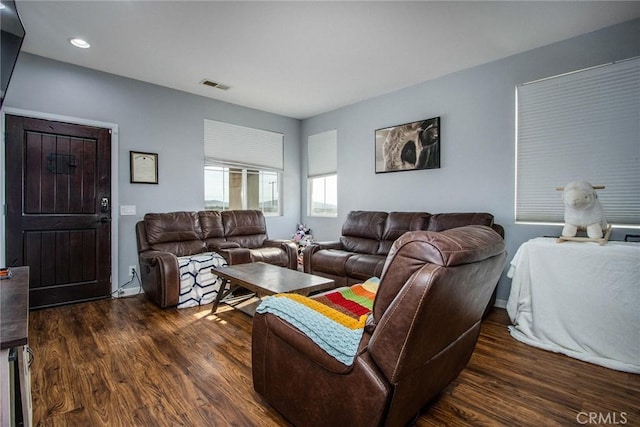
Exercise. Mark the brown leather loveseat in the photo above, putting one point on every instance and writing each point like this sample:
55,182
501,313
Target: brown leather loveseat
419,336
367,237
240,236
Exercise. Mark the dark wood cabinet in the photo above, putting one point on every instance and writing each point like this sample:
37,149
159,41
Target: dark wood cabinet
15,379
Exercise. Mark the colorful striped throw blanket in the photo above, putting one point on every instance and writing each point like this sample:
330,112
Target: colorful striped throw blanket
334,321
354,301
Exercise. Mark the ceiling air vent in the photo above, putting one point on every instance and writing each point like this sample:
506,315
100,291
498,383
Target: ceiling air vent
214,84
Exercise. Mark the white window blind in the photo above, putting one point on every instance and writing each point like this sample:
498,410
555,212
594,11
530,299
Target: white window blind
240,145
322,154
580,126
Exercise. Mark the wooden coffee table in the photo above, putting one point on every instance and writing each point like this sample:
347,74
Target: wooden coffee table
265,279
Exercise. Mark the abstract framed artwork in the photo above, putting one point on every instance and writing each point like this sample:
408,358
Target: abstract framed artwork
410,146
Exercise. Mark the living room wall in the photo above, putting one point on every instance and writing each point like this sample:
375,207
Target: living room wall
477,111
150,118
476,107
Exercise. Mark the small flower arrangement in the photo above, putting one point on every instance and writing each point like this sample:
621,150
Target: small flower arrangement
302,238
302,233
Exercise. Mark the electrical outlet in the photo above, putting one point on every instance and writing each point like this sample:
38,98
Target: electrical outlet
133,269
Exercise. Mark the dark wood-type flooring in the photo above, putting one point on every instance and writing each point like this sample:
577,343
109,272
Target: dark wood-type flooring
124,362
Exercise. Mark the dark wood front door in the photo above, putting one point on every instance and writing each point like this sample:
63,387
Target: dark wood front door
58,222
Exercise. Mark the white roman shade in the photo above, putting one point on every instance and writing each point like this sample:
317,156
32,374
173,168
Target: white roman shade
239,145
580,126
322,154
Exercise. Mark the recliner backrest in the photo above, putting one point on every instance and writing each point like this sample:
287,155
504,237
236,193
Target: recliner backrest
212,227
434,287
362,231
245,227
176,232
397,224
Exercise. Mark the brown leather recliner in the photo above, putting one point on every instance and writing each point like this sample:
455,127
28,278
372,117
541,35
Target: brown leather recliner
420,335
240,236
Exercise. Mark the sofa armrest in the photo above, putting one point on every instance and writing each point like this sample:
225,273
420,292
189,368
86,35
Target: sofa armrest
222,245
329,245
312,248
160,276
289,247
264,325
340,395
235,255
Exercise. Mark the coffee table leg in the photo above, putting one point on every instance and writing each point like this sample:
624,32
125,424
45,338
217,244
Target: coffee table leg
220,295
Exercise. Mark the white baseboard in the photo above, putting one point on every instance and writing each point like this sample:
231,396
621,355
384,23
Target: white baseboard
500,303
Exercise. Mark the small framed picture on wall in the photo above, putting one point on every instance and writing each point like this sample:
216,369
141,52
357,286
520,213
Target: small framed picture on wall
144,167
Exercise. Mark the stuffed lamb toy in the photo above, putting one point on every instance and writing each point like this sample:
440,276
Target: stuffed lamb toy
582,209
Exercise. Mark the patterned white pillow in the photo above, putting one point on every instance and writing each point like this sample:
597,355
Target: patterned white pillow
198,285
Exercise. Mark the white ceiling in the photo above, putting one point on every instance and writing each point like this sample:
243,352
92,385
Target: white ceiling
302,58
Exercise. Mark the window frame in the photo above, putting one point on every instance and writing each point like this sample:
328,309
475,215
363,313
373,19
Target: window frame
310,211
245,171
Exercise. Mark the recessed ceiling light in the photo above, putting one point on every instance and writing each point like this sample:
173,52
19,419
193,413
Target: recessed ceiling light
80,43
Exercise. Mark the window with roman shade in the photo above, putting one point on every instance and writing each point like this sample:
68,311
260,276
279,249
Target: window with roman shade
583,125
322,174
242,168
322,154
239,145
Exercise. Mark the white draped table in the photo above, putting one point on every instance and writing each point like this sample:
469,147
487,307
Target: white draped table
580,299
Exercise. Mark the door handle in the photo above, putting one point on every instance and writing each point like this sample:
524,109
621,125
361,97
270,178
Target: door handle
104,204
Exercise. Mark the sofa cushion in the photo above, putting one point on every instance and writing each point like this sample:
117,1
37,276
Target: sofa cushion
213,230
364,266
397,224
172,227
362,231
247,228
211,224
175,232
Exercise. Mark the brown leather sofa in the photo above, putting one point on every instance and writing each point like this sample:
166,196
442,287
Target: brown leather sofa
240,236
420,335
367,237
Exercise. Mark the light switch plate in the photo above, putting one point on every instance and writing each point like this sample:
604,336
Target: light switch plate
127,210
